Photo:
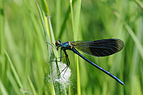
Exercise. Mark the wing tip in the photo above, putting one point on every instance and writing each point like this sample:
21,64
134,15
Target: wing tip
120,44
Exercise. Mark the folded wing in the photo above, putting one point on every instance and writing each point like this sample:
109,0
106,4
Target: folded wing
99,48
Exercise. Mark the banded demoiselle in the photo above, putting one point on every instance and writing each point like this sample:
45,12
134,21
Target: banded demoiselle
99,48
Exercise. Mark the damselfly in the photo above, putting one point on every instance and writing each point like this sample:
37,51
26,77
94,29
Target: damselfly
97,48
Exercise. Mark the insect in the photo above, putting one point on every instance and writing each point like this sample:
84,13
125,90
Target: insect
99,48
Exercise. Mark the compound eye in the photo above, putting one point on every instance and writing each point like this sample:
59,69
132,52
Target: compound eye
58,42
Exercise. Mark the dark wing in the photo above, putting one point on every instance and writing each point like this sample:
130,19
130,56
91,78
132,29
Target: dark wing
99,48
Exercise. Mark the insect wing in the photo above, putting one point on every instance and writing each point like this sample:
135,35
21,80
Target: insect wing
99,48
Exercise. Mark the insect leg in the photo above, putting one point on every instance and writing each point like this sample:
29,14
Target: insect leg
67,58
67,61
61,54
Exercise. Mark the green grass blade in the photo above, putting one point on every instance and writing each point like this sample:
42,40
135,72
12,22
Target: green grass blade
135,39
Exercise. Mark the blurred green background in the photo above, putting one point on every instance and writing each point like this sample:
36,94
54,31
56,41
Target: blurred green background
29,28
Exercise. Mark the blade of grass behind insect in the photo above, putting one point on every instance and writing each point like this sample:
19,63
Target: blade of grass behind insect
136,58
61,87
63,26
16,76
14,70
135,39
50,37
1,24
2,89
45,30
139,3
47,26
2,41
135,79
75,24
32,86
58,16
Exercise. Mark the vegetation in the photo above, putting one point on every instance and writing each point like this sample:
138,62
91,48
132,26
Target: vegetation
29,61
